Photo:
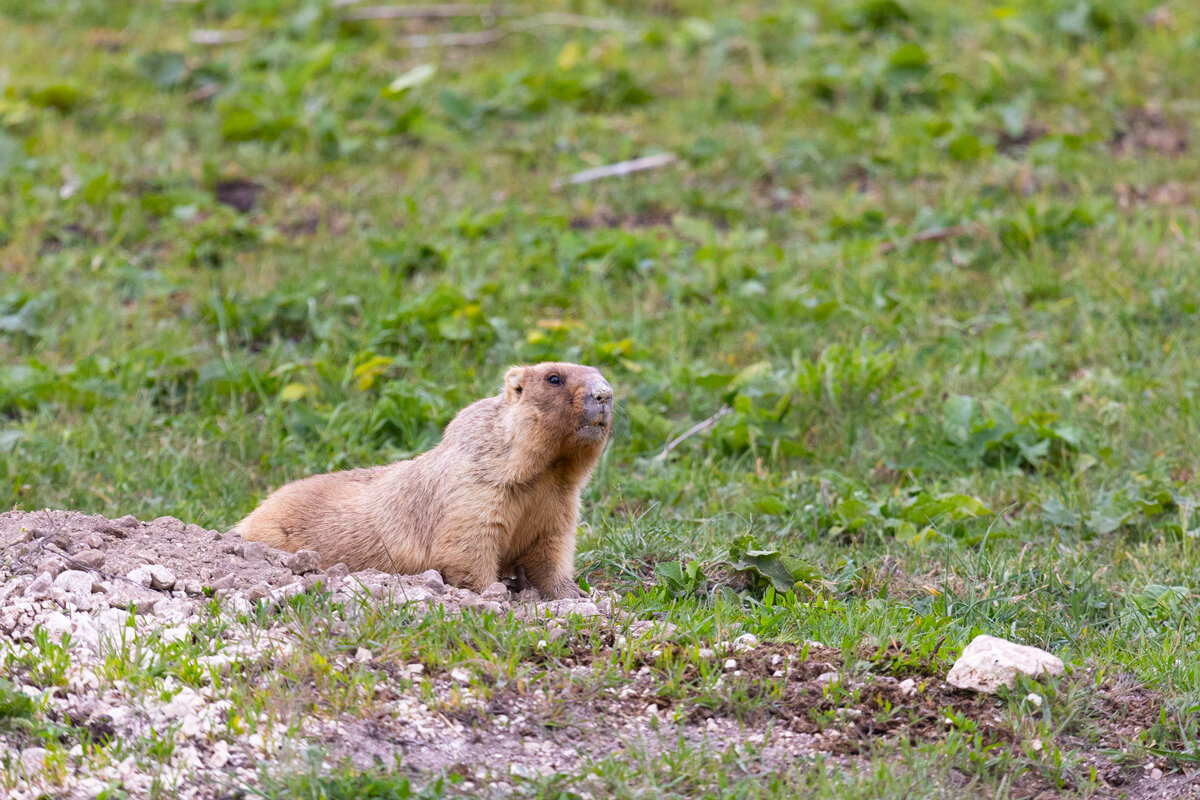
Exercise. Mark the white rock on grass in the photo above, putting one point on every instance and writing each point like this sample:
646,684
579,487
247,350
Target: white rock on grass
745,643
990,662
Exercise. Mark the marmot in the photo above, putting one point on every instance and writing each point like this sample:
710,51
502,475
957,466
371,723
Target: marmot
498,495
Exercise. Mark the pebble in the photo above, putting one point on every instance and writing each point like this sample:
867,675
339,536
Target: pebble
827,678
75,581
92,559
223,583
56,624
220,755
303,561
908,687
433,580
124,594
460,675
338,570
152,576
745,643
254,551
730,665
496,591
362,654
33,759
52,564
41,585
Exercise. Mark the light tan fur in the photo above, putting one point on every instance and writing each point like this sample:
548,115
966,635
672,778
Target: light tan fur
498,495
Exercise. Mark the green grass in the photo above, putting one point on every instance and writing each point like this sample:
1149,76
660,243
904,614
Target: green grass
990,430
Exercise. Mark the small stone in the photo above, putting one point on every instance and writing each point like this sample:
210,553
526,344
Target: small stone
127,521
496,591
415,669
569,608
481,604
338,570
56,624
990,662
254,551
193,588
908,687
220,755
460,675
222,584
87,635
33,759
40,586
1156,774
52,564
413,594
170,524
92,559
711,726
745,643
706,653
827,678
152,576
1034,699
125,594
362,654
257,592
730,665
303,561
74,581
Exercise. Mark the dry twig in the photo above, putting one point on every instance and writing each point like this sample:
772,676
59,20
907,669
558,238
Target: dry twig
931,235
617,169
698,428
439,11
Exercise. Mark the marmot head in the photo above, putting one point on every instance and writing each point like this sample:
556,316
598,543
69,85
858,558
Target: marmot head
571,400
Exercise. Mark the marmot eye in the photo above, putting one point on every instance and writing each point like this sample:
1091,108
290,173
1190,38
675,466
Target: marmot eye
554,379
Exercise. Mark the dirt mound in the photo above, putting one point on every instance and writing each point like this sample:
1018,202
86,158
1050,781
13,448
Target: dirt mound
194,652
168,565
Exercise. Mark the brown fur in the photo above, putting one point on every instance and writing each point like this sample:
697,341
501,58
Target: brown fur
499,494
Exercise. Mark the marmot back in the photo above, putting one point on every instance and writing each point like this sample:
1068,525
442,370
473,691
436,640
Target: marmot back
498,495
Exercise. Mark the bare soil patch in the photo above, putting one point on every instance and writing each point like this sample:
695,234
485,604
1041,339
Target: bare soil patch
110,583
1147,130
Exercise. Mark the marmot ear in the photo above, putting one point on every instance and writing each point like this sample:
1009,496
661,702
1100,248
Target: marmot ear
514,381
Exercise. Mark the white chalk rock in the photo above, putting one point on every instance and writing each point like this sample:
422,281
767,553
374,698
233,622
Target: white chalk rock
152,576
990,662
74,581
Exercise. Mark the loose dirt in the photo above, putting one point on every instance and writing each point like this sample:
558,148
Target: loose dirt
112,583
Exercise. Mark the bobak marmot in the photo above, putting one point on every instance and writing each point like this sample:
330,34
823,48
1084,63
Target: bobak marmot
498,496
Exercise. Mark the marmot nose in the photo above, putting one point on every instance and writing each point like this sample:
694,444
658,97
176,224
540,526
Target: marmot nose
602,393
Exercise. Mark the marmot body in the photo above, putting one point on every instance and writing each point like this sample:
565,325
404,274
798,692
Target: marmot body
498,495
